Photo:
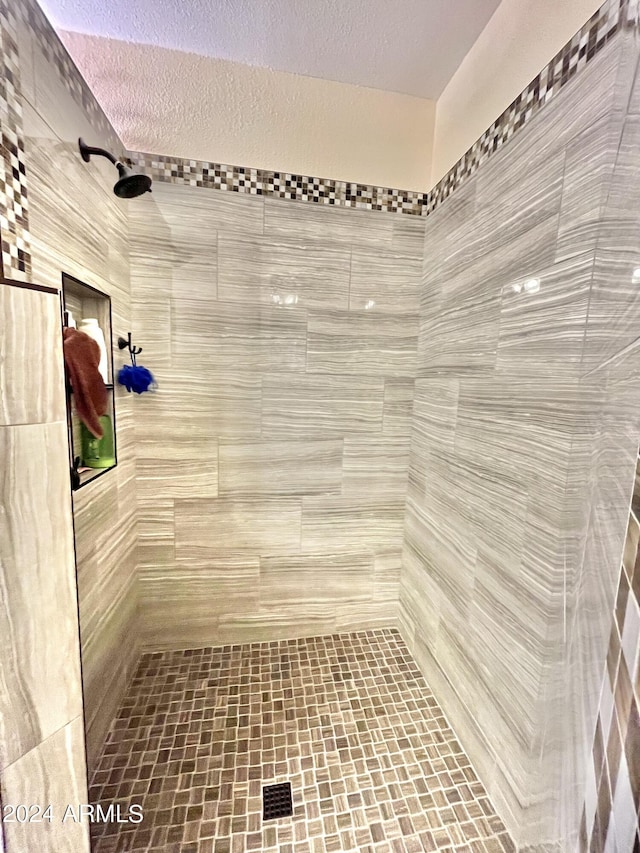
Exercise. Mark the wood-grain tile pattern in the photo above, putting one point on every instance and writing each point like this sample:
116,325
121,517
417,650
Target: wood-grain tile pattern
41,737
273,458
78,226
525,425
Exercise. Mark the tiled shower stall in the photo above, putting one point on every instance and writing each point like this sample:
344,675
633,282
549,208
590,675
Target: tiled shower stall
366,536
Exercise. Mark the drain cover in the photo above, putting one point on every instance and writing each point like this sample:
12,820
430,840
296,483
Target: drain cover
276,801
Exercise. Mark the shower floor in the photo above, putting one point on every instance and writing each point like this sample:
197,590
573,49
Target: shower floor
346,719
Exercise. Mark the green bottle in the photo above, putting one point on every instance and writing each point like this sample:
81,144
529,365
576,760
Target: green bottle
98,452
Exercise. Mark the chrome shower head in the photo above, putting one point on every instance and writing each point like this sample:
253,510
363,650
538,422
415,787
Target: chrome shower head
130,184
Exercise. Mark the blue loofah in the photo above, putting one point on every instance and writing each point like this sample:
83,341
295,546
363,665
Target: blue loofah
135,378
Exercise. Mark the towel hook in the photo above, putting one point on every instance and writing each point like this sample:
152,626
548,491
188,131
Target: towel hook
125,343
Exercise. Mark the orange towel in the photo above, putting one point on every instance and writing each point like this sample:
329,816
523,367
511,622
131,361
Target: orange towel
81,358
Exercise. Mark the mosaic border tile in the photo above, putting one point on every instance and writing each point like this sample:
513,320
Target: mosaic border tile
614,792
286,185
573,58
14,211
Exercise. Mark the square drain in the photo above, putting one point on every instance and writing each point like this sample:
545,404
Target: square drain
277,801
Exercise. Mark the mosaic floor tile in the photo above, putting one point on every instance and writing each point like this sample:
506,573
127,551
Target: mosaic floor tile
347,719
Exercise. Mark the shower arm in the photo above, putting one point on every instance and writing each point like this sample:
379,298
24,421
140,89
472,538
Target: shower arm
87,150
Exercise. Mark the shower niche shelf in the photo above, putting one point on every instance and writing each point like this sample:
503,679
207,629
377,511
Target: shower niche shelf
83,302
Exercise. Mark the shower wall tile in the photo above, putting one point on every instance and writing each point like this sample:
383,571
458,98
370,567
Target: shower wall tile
106,588
206,527
315,578
615,299
225,335
309,274
53,772
177,468
525,426
407,237
214,211
78,226
89,517
156,529
362,342
323,406
386,280
397,406
270,623
363,615
157,317
339,226
196,405
41,664
273,468
587,176
348,524
28,361
64,200
41,741
543,318
375,466
103,672
279,431
386,577
194,241
466,288
182,603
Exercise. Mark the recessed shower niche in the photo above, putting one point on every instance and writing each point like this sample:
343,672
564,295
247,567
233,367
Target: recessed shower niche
89,377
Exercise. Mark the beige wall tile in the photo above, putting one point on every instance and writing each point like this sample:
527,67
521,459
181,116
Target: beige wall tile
320,406
376,466
41,664
342,524
261,270
386,280
280,468
233,389
225,335
176,468
54,772
31,371
281,621
182,603
362,342
316,578
207,527
339,225
512,460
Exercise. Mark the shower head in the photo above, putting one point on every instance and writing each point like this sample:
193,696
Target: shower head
130,184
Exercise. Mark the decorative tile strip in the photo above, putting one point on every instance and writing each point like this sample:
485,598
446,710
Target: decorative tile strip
574,56
200,173
14,212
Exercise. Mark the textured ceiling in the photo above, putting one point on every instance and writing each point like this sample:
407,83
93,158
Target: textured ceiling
408,46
